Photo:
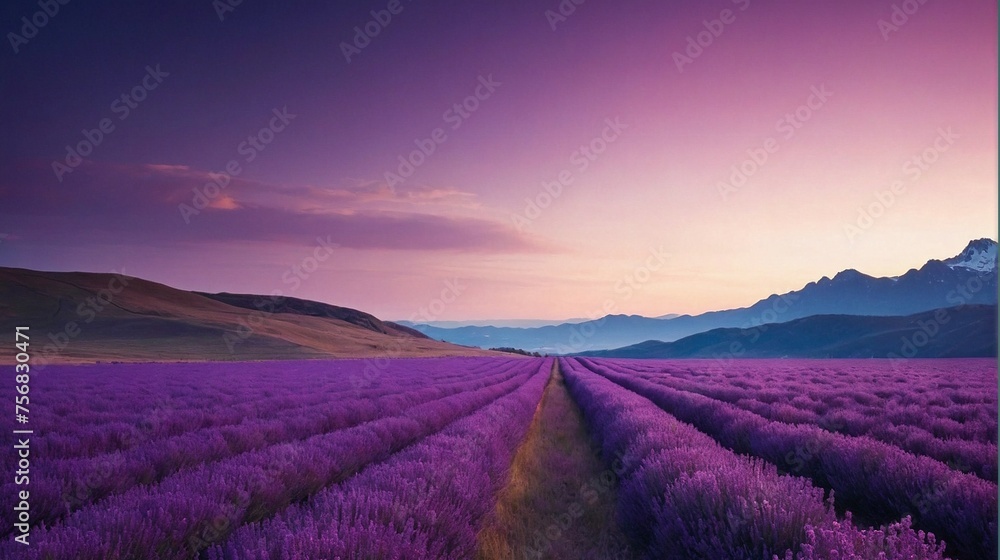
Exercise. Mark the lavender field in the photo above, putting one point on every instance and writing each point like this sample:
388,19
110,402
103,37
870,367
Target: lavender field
410,458
452,280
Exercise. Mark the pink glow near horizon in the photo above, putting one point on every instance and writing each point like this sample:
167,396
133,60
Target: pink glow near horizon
821,109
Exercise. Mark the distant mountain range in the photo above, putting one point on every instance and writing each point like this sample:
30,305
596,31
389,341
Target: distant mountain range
515,323
968,278
83,317
960,332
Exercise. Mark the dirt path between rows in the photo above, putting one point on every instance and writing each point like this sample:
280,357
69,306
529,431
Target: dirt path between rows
560,498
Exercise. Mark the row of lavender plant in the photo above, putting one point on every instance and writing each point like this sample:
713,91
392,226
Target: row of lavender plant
880,481
948,398
785,399
426,502
65,485
756,388
682,495
164,400
200,506
150,402
955,399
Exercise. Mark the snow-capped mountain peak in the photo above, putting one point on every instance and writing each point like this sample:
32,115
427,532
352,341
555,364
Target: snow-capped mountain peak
980,255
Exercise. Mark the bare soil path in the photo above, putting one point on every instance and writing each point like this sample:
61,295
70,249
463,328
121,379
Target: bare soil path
560,499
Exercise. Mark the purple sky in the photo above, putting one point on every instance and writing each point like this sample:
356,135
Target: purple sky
649,214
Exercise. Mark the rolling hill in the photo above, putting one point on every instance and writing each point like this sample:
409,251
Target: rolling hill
86,317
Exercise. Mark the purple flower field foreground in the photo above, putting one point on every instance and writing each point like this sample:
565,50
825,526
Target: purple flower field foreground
70,483
881,482
199,505
682,491
425,502
925,409
349,459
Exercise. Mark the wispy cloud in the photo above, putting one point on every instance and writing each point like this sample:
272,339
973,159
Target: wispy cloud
140,203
